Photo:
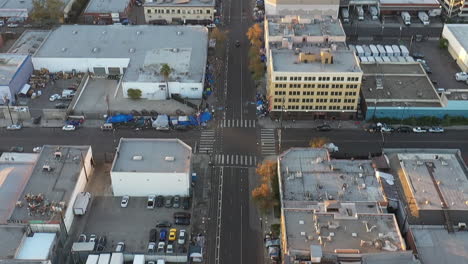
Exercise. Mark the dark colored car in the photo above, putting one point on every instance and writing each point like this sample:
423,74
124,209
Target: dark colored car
323,128
182,215
162,235
182,221
164,224
168,202
16,149
373,128
237,43
101,244
160,201
153,235
186,203
61,105
418,55
404,129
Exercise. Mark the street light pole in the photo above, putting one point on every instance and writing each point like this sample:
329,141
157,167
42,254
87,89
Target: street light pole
7,102
281,125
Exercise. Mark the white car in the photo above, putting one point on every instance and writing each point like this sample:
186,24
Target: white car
124,202
181,239
419,130
387,129
150,202
54,97
461,76
436,130
211,26
170,249
12,25
161,246
120,247
68,128
92,238
14,127
37,149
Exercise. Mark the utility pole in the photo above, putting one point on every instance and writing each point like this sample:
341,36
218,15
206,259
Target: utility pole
281,125
7,102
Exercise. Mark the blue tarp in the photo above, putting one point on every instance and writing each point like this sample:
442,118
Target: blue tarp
205,117
193,121
119,119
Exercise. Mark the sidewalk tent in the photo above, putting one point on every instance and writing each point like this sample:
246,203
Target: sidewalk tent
205,117
162,121
119,119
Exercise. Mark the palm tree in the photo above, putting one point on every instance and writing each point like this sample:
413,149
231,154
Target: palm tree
165,71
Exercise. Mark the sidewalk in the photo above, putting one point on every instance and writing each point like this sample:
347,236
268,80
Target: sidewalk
53,123
266,122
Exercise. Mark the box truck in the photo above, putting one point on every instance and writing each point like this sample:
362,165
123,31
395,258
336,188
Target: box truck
406,18
374,12
117,258
92,259
139,259
423,17
345,15
104,258
81,203
360,13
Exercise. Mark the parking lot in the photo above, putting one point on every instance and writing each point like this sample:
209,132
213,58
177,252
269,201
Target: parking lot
131,225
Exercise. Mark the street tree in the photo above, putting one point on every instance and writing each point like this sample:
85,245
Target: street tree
218,35
47,11
254,33
134,93
318,142
166,71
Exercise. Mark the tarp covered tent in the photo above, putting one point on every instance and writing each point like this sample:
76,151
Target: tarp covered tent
119,118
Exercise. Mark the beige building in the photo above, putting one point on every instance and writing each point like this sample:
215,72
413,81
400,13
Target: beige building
312,8
179,11
318,83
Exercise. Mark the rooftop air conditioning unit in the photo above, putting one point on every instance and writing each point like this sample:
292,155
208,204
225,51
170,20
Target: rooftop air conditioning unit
462,226
138,157
169,158
46,168
58,154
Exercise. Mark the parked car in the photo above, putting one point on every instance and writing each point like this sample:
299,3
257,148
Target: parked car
138,3
387,129
181,240
68,128
436,130
168,202
182,221
186,203
172,234
170,249
404,129
419,130
16,149
323,128
160,201
461,76
124,202
211,25
54,97
37,149
14,127
120,247
162,235
150,202
61,105
237,43
176,201
92,238
12,25
161,246
164,224
82,238
418,55
101,244
153,235
151,247
373,128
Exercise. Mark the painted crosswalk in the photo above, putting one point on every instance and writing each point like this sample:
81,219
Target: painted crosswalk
268,141
207,139
235,160
237,123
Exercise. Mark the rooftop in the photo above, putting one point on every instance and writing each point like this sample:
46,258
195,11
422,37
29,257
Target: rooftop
409,2
436,180
152,155
457,95
29,42
460,32
286,60
106,6
8,5
11,237
372,232
398,85
9,65
309,174
38,246
300,26
14,174
146,47
180,3
436,246
47,192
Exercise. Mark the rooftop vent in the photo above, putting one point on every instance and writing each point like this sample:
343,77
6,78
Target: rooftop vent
131,50
95,50
64,49
75,32
168,158
138,32
179,33
58,154
137,157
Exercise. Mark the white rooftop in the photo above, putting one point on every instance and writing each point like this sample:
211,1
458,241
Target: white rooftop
152,155
106,6
9,65
435,180
460,32
11,5
147,47
180,3
304,26
37,247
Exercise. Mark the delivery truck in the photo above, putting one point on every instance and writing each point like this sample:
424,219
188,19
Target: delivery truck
406,18
345,15
92,259
81,203
423,17
360,13
117,258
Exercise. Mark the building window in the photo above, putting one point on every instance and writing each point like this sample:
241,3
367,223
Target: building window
294,85
148,11
277,107
353,79
207,11
178,11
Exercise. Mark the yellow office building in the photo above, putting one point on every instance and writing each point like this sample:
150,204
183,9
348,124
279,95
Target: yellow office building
313,82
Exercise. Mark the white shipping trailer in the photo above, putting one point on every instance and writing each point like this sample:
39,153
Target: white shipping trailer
360,50
374,50
382,50
139,259
379,60
404,51
396,50
386,59
367,51
81,203
389,50
117,258
104,258
92,259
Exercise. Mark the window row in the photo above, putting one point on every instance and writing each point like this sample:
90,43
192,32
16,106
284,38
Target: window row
298,85
316,107
177,11
320,78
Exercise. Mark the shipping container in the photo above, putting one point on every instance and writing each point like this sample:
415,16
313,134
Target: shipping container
367,51
92,259
382,50
374,50
404,51
389,50
396,50
360,50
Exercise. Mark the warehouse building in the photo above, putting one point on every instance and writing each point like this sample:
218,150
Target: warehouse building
136,53
19,10
335,210
145,167
316,8
107,12
457,36
15,71
45,199
179,11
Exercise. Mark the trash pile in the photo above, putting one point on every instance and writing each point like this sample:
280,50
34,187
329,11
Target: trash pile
262,105
259,11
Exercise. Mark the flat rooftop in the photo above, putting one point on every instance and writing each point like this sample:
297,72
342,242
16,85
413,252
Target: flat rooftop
24,4
55,186
374,233
460,32
37,247
285,60
29,42
436,180
9,65
147,47
152,155
309,174
409,2
457,95
15,171
106,6
298,26
10,239
436,246
180,3
390,84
